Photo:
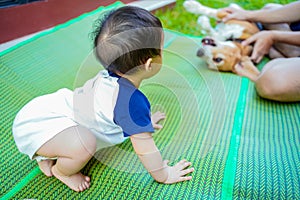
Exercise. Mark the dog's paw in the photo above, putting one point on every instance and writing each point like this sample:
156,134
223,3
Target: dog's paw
204,22
234,5
192,6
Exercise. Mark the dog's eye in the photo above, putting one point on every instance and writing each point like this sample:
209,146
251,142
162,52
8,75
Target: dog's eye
218,59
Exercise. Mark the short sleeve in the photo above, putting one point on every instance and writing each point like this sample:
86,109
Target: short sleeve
133,112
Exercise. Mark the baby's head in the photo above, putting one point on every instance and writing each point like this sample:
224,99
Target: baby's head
126,38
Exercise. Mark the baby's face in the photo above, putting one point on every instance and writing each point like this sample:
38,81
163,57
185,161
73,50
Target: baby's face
156,64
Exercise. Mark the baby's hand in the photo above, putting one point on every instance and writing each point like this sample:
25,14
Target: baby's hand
177,172
155,118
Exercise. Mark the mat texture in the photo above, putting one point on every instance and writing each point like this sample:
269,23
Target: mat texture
241,146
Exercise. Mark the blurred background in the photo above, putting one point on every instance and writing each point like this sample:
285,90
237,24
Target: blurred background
19,19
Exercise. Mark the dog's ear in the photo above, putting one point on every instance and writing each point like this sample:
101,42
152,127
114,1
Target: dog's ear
246,50
245,35
246,68
245,64
245,60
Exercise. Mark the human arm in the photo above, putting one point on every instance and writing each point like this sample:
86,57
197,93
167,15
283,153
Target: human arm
138,126
265,39
284,14
151,158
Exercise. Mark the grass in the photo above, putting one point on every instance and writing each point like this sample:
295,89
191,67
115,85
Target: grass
178,19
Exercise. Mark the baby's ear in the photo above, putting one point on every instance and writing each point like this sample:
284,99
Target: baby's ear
148,64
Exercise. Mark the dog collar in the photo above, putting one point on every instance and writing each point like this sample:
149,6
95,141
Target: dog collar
235,40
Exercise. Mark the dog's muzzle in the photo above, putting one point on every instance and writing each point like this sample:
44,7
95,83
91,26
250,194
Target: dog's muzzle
200,52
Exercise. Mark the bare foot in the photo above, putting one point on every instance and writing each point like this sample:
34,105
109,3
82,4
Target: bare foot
45,166
77,182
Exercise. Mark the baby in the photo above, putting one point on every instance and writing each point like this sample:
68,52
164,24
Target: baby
63,130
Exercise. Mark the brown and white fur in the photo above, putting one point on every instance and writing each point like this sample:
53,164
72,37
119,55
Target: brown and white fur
221,48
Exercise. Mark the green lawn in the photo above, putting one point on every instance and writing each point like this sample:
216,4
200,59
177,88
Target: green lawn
180,20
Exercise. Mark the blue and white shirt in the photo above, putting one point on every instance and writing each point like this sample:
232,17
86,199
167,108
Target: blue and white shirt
110,106
118,109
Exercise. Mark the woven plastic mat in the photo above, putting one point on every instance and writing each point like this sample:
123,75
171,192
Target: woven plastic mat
241,146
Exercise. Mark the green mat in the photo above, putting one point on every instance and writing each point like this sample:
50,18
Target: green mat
241,146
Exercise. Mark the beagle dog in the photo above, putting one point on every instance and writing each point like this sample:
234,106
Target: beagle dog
222,49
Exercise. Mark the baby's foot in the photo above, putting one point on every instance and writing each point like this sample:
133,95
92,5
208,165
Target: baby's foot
77,182
45,166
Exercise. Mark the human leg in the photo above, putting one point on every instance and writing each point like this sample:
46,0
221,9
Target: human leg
274,53
280,50
45,166
73,148
279,80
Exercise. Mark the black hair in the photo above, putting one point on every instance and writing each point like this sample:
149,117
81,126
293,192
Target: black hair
125,38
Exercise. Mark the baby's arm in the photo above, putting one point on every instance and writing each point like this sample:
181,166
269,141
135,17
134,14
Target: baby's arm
150,156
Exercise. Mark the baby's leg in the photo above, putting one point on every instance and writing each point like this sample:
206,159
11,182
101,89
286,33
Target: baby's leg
279,80
73,147
45,166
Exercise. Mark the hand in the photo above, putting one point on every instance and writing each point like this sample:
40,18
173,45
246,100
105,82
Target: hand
263,42
155,118
235,13
177,172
